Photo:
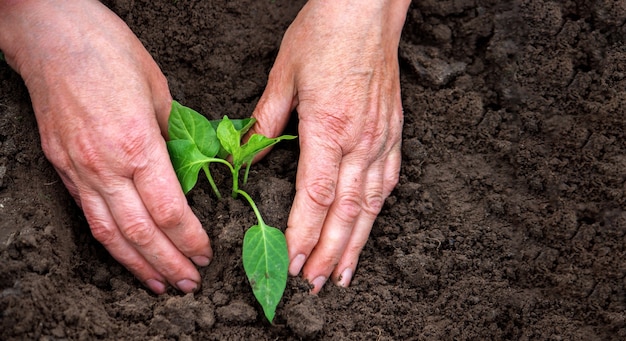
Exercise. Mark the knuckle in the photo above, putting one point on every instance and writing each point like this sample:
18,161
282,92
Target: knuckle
303,233
321,191
130,152
135,150
349,206
324,261
337,129
168,213
373,140
56,156
354,250
307,238
139,233
136,265
336,121
86,156
373,203
328,261
351,254
103,233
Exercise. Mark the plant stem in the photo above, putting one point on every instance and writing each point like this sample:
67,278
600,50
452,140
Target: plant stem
207,171
232,170
235,182
245,176
215,159
253,205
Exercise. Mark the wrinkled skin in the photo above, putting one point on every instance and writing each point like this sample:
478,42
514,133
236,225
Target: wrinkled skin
346,89
102,105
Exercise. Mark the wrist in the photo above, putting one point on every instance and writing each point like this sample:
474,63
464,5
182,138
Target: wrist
38,32
14,25
392,10
388,16
39,36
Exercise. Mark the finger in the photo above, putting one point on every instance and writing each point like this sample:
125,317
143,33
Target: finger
105,230
138,228
161,98
316,182
372,204
339,223
379,184
69,184
274,108
161,194
391,174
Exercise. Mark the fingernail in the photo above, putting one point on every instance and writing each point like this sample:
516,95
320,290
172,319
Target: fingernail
157,287
201,260
318,282
296,264
345,278
187,286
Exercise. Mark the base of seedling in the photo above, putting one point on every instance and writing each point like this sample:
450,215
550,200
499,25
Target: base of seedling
194,144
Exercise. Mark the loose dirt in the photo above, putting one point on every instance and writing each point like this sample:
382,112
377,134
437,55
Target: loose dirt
508,223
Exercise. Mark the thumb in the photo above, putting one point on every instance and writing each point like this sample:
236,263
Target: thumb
274,108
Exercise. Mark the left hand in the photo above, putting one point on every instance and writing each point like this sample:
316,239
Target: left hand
338,67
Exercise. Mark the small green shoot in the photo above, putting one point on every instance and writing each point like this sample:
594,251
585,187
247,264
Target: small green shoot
230,138
194,144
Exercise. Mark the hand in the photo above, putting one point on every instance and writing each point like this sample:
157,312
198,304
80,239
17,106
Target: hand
337,66
101,104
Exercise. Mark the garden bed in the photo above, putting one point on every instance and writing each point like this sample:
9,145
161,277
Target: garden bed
509,220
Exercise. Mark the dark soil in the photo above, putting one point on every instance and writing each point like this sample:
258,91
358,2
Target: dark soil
509,221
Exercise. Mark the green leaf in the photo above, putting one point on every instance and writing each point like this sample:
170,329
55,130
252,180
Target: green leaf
187,124
241,126
266,261
244,125
187,161
256,144
228,136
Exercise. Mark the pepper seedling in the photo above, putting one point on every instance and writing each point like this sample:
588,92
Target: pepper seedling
194,143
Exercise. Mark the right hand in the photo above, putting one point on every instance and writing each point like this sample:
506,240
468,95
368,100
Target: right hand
102,105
